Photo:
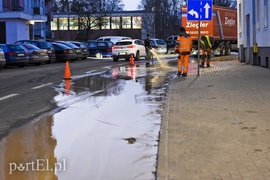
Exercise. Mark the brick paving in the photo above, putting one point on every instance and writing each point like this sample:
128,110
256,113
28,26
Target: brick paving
217,126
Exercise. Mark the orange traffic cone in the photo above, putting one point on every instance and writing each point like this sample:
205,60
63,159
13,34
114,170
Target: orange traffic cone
131,60
67,75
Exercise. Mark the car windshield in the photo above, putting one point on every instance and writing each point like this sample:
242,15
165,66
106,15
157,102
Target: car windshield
122,43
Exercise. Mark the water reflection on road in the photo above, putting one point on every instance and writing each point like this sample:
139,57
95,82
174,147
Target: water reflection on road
88,138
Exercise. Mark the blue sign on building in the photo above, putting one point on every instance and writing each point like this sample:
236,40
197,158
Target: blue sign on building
199,10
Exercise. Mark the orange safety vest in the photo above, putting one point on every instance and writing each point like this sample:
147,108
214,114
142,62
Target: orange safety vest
185,44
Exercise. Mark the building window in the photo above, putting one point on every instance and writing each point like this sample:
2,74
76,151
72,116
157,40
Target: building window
54,24
258,14
126,22
63,23
83,23
240,15
94,23
115,22
265,10
73,24
105,23
136,22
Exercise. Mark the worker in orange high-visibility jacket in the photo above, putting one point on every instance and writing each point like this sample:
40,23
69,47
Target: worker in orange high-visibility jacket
183,47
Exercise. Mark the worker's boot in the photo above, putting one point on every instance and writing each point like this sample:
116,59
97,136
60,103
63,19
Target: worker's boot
179,73
208,65
184,74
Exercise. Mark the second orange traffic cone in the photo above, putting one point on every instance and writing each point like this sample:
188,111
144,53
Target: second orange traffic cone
67,75
131,60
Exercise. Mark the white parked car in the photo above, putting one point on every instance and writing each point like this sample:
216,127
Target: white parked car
159,45
126,48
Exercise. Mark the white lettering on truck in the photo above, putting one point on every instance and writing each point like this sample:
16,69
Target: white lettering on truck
230,22
195,25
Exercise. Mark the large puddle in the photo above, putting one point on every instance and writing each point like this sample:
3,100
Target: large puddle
106,128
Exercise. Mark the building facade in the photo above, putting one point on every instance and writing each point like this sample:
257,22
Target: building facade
135,24
253,32
24,19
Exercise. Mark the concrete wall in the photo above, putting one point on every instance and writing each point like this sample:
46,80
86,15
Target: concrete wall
16,30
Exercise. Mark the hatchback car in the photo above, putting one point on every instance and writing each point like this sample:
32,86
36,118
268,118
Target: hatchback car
85,52
2,59
126,48
159,45
36,55
15,55
42,45
78,51
99,49
63,52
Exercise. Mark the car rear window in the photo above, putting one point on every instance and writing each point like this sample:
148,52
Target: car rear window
2,47
102,44
92,44
81,45
30,46
61,46
70,44
45,45
15,47
123,43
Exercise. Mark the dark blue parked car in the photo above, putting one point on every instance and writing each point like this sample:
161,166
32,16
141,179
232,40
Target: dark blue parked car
15,55
99,49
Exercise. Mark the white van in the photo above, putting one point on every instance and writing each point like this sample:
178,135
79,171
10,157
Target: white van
113,39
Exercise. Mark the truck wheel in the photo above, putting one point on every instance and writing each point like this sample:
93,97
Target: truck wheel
228,50
222,51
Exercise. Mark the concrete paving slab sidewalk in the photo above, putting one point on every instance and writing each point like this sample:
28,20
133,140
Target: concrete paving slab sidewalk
217,126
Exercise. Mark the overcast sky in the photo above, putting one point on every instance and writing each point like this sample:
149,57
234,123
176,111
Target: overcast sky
131,4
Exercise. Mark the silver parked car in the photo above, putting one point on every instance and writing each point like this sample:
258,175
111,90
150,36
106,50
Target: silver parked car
159,45
36,55
2,59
